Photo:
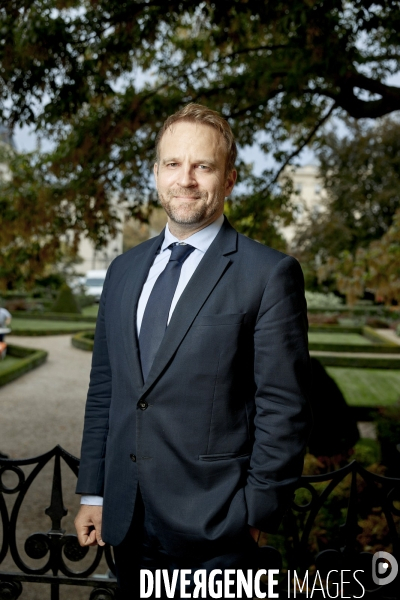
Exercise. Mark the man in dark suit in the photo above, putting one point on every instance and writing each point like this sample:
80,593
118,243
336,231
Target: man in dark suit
197,417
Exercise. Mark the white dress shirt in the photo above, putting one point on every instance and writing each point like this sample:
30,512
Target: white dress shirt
201,240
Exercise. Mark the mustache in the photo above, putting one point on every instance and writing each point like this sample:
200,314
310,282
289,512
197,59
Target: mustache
184,192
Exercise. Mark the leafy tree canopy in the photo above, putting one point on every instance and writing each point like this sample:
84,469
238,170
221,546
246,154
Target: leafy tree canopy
98,77
361,175
375,268
352,241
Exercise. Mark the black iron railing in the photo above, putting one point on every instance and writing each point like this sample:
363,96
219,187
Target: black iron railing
57,546
299,548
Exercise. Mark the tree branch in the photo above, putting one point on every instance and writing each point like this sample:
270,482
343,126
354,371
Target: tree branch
362,109
304,143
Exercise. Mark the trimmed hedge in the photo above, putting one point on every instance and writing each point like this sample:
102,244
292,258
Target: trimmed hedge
355,348
53,331
48,316
356,310
30,358
83,340
336,329
380,344
66,301
375,337
361,362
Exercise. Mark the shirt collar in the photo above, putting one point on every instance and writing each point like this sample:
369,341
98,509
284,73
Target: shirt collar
201,240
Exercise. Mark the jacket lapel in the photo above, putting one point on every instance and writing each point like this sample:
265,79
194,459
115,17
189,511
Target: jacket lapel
210,270
135,279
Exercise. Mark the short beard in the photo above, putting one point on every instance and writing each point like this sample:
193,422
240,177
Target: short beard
180,215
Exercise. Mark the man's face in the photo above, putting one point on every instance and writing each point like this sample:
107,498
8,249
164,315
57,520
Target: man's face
190,176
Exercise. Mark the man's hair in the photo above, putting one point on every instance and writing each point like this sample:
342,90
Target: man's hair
197,113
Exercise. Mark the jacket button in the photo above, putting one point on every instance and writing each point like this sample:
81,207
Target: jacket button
133,457
142,405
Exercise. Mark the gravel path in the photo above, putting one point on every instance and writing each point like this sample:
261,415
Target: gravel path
41,409
390,335
45,407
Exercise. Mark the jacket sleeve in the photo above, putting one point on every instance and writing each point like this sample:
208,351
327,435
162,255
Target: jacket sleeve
282,377
95,431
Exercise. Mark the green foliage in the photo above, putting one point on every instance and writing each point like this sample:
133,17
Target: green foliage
19,360
367,452
324,301
49,316
375,268
338,338
354,242
360,173
388,423
98,78
261,213
83,340
84,300
326,528
90,311
66,301
34,327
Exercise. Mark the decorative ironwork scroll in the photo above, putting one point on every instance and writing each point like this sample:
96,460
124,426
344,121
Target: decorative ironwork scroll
55,546
365,491
366,494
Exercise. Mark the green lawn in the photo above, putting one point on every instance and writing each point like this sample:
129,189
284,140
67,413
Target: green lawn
338,338
90,311
44,324
367,387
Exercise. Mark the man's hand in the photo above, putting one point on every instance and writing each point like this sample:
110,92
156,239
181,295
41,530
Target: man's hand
88,525
255,534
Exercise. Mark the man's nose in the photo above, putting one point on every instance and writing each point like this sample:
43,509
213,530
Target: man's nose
187,176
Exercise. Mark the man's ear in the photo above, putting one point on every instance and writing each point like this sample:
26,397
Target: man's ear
155,171
230,182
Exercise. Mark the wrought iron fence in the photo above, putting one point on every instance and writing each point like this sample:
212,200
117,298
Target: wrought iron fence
58,546
297,549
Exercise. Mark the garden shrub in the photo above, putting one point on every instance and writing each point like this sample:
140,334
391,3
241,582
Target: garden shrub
83,340
326,530
66,301
323,319
377,323
367,452
325,301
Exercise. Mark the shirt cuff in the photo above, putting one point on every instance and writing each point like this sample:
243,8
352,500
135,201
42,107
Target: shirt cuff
92,500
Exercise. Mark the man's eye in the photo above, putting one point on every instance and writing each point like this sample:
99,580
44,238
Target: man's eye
203,167
172,164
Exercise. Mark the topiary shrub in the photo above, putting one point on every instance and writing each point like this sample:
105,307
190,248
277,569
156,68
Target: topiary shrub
65,302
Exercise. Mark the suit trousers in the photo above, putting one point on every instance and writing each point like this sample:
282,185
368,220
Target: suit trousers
141,550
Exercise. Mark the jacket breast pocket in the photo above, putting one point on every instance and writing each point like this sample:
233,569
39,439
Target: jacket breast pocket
219,319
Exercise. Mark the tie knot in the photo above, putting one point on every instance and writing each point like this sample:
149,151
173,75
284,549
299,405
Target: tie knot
180,252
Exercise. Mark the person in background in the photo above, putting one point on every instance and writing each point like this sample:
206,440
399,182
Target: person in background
5,320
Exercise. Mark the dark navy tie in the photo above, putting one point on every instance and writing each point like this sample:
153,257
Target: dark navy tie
155,317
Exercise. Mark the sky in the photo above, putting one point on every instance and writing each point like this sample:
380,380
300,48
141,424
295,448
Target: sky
26,141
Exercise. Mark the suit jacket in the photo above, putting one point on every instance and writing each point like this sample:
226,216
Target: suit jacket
215,436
